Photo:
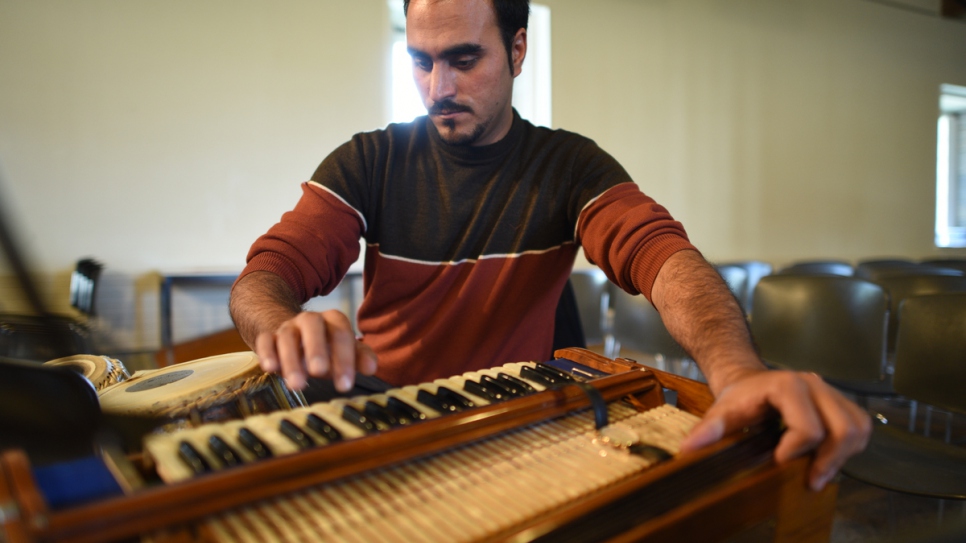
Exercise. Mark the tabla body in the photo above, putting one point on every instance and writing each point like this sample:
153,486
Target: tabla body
101,371
216,388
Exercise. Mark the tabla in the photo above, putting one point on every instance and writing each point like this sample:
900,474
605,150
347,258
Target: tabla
101,371
217,388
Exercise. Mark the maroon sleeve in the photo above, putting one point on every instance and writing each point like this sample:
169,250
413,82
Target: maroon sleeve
313,245
629,236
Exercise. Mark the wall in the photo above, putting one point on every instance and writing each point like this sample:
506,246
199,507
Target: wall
774,130
166,136
160,136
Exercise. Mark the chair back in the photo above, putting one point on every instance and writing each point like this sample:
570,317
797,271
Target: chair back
901,286
953,263
756,269
639,327
832,325
567,328
877,269
83,285
737,279
593,300
818,267
931,350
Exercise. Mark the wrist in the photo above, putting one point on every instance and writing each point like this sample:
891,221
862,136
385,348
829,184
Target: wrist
728,372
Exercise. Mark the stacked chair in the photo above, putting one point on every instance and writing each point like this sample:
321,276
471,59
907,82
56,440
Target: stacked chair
43,335
754,271
930,367
818,267
878,268
833,325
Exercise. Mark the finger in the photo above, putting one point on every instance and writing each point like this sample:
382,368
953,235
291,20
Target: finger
265,350
750,401
342,348
366,359
315,344
847,432
706,432
288,344
804,427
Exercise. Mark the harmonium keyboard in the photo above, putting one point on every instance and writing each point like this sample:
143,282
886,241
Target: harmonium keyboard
579,448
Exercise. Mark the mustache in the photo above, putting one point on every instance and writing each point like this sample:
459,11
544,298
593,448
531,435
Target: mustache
448,106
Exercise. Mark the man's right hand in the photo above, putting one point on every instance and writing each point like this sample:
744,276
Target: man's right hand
294,342
315,344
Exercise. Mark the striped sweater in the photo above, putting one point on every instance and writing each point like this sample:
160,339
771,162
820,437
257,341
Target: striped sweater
467,248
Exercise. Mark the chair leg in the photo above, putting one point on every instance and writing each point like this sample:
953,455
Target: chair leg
928,421
913,408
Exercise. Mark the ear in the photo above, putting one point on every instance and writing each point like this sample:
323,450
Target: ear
518,50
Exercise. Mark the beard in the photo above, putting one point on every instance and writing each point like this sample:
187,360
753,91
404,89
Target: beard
447,127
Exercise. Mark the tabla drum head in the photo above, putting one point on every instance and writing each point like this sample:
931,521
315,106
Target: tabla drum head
175,391
101,371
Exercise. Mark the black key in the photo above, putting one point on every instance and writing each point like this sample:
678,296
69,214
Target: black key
650,452
509,392
251,442
193,458
547,369
323,428
380,415
483,391
509,380
529,373
430,400
223,451
455,398
293,432
359,420
403,410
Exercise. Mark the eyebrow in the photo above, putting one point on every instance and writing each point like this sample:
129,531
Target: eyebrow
454,51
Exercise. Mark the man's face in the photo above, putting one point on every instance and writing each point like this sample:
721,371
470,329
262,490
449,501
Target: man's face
460,68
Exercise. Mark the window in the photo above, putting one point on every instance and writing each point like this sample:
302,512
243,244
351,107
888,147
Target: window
531,89
951,168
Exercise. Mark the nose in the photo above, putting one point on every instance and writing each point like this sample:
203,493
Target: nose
442,83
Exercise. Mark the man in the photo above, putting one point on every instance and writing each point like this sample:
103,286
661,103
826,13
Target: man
472,219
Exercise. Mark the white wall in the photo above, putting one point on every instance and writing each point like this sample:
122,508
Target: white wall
162,136
170,134
775,130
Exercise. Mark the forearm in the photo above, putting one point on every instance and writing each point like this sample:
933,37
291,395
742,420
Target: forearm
260,302
704,317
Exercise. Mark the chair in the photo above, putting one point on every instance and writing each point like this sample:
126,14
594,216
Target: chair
874,272
737,279
44,335
879,267
591,288
831,325
952,263
902,286
818,267
83,285
567,329
930,350
639,327
755,270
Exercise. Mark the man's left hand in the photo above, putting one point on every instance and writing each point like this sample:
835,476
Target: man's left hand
817,417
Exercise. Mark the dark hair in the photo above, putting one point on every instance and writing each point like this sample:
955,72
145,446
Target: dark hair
511,15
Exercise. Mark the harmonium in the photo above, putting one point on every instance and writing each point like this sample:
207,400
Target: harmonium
578,448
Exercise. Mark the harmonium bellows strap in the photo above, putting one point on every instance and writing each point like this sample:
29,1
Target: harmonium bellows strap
523,461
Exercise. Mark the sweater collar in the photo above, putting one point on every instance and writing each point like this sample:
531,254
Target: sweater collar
482,153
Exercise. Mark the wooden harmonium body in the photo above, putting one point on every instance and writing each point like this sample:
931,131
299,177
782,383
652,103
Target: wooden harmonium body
536,459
